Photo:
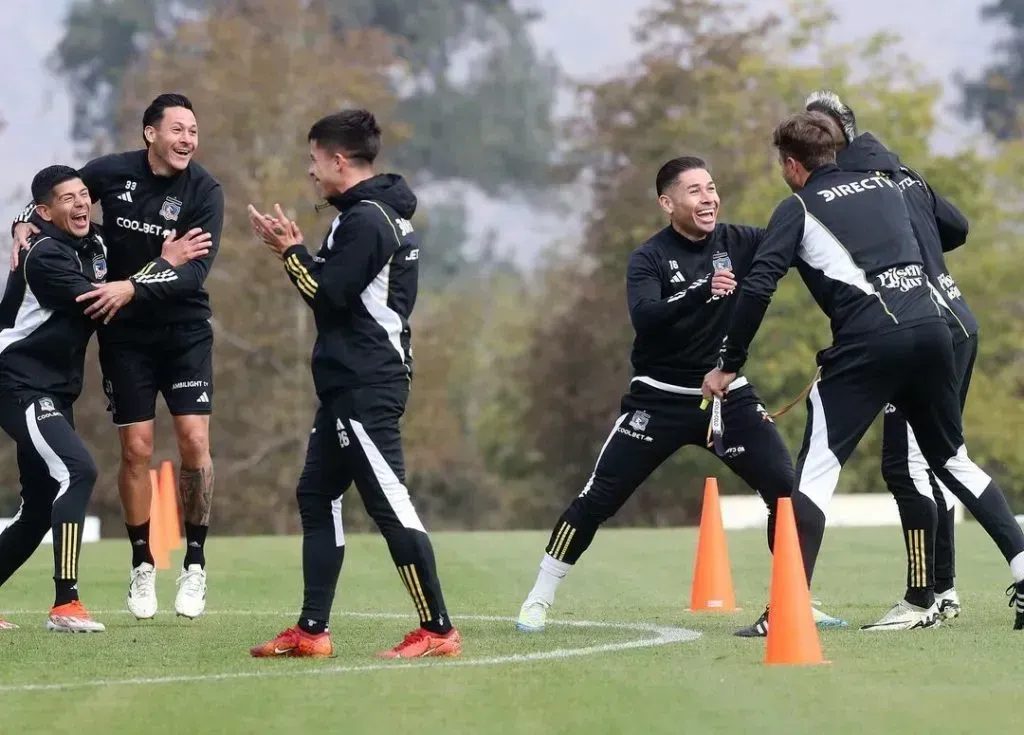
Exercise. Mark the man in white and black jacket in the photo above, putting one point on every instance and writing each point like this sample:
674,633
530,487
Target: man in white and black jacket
44,332
925,504
851,239
680,291
361,286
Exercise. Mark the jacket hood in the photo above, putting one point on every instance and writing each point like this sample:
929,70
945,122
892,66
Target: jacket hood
866,153
78,243
389,189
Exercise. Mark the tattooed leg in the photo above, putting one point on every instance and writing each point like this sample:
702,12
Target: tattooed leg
195,483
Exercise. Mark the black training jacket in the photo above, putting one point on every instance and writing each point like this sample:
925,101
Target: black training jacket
850,237
362,285
43,330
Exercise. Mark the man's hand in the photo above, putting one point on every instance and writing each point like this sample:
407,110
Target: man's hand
193,244
723,283
716,383
109,298
22,232
277,233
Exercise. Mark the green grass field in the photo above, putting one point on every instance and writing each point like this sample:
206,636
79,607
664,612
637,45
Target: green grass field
172,675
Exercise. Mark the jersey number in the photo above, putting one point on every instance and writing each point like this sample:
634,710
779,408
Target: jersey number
342,435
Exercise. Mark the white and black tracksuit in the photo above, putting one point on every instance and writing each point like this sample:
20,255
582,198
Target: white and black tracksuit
851,239
925,504
43,339
361,286
679,327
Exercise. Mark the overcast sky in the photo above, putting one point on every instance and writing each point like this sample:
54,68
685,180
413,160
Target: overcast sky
589,38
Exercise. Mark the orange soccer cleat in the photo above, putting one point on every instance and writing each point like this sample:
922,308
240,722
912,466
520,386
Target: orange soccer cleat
296,642
421,643
7,625
72,617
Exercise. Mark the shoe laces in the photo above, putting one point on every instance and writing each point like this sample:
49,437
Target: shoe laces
192,581
1014,595
144,581
414,636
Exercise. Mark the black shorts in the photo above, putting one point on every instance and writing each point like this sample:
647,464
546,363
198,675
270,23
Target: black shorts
175,360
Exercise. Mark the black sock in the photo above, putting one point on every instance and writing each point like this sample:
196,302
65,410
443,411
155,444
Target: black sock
920,596
313,627
67,591
195,540
139,538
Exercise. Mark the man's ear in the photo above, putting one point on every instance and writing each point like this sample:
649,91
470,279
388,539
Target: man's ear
666,204
149,133
44,211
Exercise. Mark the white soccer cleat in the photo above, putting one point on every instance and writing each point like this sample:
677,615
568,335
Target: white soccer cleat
949,604
142,591
822,619
904,616
191,599
532,616
73,618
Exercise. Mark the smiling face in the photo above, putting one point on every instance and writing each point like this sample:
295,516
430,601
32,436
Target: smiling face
692,202
174,139
327,170
68,207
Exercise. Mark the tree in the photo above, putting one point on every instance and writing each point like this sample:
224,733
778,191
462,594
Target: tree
473,83
996,96
719,84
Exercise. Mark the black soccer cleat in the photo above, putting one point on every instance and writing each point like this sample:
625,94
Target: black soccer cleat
759,628
1016,594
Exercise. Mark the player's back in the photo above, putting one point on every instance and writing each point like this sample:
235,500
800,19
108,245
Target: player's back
859,256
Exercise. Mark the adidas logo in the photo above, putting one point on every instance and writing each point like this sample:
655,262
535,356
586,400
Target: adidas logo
203,398
678,278
125,196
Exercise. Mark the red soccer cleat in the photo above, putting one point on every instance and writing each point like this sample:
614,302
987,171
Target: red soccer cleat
421,643
7,625
296,642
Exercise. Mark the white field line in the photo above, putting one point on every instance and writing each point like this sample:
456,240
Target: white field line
662,636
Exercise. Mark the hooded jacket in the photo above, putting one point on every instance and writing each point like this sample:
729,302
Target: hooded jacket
43,330
361,286
938,226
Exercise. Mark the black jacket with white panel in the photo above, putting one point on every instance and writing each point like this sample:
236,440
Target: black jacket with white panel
361,286
43,330
678,323
850,237
139,210
938,225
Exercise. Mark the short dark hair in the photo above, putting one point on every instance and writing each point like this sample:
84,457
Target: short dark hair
44,182
352,132
670,171
155,112
808,137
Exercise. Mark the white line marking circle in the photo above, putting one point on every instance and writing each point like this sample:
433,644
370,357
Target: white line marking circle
663,635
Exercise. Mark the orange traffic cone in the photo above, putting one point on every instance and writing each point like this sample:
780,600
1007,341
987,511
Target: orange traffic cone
712,581
169,505
158,545
792,635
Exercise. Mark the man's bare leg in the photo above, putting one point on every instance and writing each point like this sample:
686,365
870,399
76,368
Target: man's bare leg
195,484
136,491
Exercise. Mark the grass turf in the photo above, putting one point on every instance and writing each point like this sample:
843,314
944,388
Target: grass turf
962,677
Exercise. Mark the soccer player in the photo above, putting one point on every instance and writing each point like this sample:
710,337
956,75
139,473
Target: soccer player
361,286
851,238
164,342
925,504
44,332
680,286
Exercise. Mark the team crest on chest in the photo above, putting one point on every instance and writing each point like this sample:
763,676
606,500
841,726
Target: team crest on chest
99,267
170,209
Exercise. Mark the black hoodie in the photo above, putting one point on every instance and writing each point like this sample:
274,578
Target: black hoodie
938,225
361,286
43,330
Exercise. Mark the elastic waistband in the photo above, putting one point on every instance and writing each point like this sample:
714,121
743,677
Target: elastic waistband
682,390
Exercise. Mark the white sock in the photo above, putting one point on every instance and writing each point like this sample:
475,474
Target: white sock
550,575
1017,567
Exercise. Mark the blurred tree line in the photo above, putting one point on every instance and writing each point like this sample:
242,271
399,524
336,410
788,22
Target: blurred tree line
519,372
